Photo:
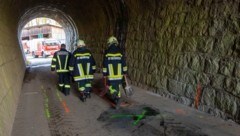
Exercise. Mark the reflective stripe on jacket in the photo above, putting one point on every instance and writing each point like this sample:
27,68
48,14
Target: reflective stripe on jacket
114,64
60,61
82,64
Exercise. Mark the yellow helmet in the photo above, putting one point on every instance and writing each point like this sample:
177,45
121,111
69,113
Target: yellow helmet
112,40
81,43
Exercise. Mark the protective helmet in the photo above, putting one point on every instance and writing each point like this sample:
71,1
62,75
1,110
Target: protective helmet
81,43
112,40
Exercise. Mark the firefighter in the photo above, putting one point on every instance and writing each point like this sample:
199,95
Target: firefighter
114,68
83,67
60,63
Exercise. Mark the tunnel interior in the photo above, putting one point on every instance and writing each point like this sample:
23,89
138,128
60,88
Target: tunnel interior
171,47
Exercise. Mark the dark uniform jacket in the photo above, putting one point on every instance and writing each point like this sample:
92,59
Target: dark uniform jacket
60,61
114,64
82,64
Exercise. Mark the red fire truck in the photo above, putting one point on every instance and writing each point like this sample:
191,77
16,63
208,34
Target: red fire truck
43,47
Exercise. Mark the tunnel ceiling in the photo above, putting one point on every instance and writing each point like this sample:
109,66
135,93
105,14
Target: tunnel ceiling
93,18
90,16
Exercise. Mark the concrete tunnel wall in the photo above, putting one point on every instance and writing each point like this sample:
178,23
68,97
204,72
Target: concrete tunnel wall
171,46
11,69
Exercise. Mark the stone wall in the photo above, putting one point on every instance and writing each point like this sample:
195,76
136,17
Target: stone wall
97,45
11,69
174,45
96,26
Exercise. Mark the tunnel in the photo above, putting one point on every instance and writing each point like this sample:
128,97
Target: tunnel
52,12
179,49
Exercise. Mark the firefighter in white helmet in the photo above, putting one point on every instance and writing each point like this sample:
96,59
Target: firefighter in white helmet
83,67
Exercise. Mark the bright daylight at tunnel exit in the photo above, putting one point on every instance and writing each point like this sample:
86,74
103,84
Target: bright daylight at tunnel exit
119,68
41,38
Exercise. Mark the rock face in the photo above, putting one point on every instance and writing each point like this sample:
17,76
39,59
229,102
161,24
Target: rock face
172,46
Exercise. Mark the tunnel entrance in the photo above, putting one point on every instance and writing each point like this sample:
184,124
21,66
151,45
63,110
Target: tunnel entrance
40,39
47,13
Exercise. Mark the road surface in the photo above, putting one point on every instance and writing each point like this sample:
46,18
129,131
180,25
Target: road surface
44,111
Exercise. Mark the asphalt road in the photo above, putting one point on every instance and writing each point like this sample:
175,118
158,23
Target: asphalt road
44,111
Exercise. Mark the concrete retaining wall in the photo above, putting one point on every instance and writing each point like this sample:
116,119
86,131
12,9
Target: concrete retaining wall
12,71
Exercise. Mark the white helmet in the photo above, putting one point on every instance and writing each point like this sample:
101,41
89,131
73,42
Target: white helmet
112,40
81,43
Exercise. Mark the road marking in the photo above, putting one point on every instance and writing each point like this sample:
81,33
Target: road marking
139,117
65,107
180,111
63,102
46,103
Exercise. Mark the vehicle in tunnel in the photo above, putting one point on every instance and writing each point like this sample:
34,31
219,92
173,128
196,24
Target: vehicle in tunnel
43,47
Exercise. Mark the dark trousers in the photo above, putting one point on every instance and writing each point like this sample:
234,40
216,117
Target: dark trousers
114,87
64,82
84,85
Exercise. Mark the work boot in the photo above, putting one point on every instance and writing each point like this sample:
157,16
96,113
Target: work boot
88,94
117,101
114,96
90,91
67,92
64,91
82,97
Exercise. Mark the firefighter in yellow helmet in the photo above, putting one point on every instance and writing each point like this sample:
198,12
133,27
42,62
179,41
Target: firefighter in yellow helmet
83,67
114,68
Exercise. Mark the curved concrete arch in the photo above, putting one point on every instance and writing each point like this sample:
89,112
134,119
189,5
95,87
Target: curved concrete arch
53,12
